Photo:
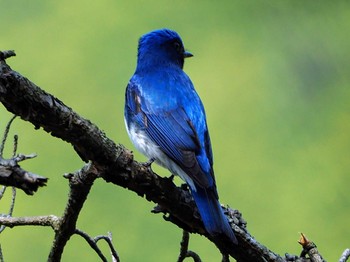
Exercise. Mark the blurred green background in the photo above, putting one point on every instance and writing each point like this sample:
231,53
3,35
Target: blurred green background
274,79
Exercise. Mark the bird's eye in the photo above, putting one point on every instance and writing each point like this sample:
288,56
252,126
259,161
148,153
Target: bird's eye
178,46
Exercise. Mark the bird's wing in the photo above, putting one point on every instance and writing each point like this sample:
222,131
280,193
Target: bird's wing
175,134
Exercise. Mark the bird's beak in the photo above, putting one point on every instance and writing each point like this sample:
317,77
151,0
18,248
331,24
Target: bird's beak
187,54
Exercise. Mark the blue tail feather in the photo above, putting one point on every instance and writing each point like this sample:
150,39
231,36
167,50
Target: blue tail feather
213,217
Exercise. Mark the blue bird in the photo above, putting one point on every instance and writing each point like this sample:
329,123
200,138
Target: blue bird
165,120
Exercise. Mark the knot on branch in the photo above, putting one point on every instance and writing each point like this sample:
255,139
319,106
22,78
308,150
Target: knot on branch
6,54
11,174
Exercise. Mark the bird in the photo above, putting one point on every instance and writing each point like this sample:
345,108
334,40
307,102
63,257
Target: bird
166,121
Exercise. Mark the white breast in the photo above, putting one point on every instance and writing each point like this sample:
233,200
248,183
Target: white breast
147,147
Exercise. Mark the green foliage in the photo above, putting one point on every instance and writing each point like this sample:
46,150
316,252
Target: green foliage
274,78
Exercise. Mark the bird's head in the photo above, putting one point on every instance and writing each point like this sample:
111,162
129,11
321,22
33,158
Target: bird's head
161,47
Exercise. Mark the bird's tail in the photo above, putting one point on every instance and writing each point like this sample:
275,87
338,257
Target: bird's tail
213,217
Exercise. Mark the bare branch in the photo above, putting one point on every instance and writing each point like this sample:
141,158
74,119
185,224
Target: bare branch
13,200
11,174
310,249
2,191
184,252
15,143
93,244
1,255
50,220
7,130
345,256
46,111
12,206
80,184
108,239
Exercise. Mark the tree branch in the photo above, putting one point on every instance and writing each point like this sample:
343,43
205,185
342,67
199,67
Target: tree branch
12,205
345,256
115,164
50,220
184,252
80,184
11,174
93,243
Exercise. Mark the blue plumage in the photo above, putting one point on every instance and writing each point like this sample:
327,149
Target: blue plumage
166,121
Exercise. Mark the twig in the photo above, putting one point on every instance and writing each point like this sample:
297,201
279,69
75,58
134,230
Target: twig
12,206
1,255
345,256
93,244
15,143
108,239
184,252
2,191
13,199
6,132
310,249
11,174
2,146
